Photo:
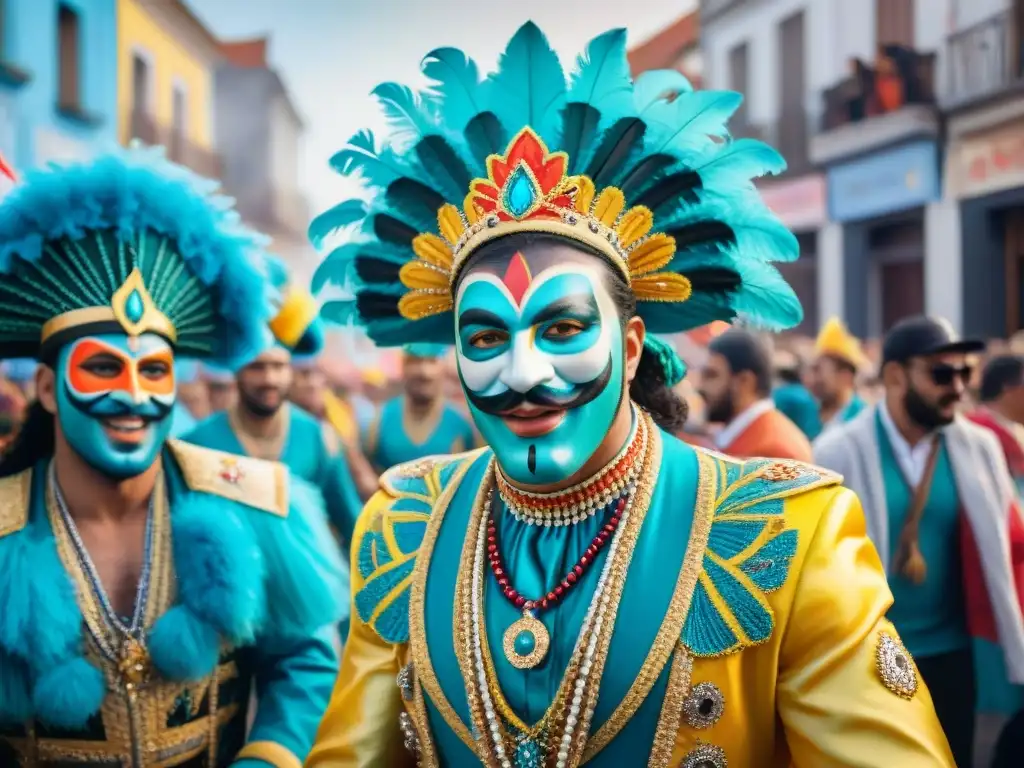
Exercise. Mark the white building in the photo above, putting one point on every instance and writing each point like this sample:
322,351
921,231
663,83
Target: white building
881,235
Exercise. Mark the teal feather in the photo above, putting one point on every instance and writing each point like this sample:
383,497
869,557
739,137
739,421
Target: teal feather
361,159
456,86
579,129
446,168
602,79
736,163
338,312
655,86
410,116
697,120
334,268
485,136
672,367
766,299
529,86
340,216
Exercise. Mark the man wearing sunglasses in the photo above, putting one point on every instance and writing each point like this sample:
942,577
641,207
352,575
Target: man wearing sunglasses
942,511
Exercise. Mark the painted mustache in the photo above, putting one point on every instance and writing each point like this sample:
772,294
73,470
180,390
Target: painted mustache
497,405
111,404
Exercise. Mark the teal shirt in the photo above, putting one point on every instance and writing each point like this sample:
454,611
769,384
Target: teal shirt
182,422
307,456
930,617
391,444
800,407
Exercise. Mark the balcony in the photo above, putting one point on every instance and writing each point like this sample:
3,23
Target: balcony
983,61
179,148
890,102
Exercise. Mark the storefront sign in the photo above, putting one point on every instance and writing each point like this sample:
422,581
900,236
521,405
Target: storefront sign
884,182
800,203
989,163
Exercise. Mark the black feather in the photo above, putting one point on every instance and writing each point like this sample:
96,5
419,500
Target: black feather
374,270
417,202
714,280
392,230
678,186
485,135
445,166
643,172
376,306
702,233
579,126
617,145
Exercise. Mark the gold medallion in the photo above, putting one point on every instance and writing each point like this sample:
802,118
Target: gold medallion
133,664
526,642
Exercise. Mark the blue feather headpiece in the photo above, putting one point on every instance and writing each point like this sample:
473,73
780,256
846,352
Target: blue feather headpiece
128,243
296,325
643,172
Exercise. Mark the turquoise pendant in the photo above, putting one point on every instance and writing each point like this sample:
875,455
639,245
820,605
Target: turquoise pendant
528,754
526,642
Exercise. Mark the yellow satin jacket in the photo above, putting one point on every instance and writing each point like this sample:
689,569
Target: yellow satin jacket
828,685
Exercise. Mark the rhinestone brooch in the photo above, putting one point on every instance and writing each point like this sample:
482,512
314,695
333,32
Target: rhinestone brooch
404,681
705,756
409,737
895,667
704,706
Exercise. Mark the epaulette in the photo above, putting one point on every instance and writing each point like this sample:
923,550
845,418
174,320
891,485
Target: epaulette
392,537
14,499
748,551
256,483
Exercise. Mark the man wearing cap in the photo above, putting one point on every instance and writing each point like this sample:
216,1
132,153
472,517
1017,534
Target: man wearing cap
736,385
941,509
420,422
833,375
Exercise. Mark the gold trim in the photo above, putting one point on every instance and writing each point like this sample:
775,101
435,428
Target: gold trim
269,752
152,320
298,311
256,483
675,617
678,688
421,722
417,604
14,500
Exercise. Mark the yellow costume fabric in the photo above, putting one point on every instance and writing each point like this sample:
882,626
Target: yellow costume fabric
832,673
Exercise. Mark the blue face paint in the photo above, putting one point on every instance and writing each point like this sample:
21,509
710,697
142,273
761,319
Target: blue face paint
115,396
541,362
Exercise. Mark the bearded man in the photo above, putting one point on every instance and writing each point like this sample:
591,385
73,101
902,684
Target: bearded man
147,585
941,508
533,603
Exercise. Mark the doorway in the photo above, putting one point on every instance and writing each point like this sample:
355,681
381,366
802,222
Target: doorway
1013,237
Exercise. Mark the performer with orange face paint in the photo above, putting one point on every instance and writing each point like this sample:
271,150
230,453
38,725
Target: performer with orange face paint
147,585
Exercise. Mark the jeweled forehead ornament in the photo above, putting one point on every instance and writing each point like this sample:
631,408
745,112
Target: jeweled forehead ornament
527,190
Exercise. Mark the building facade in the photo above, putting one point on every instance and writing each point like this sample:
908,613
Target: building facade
259,132
166,60
675,47
58,96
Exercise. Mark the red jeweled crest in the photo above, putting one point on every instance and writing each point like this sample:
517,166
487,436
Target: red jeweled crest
517,277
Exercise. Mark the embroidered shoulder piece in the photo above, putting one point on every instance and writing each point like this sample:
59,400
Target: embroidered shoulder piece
748,552
392,538
259,484
14,496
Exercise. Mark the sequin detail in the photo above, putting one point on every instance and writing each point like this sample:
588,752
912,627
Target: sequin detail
705,756
391,541
704,706
409,736
404,681
748,554
895,666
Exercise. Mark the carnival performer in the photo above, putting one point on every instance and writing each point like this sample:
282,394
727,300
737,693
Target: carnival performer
943,512
838,358
147,584
419,422
534,598
264,424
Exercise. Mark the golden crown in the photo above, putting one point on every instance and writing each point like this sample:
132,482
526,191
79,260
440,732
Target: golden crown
528,190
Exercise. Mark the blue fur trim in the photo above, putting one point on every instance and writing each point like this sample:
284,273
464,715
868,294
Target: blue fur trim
305,575
183,646
15,696
68,694
138,189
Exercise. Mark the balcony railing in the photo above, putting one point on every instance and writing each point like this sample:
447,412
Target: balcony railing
179,148
983,60
898,78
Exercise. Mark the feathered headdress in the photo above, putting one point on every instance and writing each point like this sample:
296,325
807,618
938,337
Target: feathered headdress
296,324
129,243
644,172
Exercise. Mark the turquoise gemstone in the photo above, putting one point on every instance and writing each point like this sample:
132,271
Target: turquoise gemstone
529,755
525,642
520,192
134,309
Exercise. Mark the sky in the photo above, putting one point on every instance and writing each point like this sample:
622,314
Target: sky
332,53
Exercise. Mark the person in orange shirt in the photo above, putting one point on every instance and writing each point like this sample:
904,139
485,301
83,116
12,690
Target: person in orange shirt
736,385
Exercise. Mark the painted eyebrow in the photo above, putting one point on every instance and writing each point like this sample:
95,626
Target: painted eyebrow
475,316
577,304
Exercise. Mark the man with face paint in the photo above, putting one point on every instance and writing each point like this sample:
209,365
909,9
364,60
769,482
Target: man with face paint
263,424
942,510
420,422
588,588
147,585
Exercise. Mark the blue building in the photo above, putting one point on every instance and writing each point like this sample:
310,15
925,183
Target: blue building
58,79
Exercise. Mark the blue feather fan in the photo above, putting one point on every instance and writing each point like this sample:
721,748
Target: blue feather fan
666,146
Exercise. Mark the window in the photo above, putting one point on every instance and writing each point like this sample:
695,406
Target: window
738,71
894,22
69,56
